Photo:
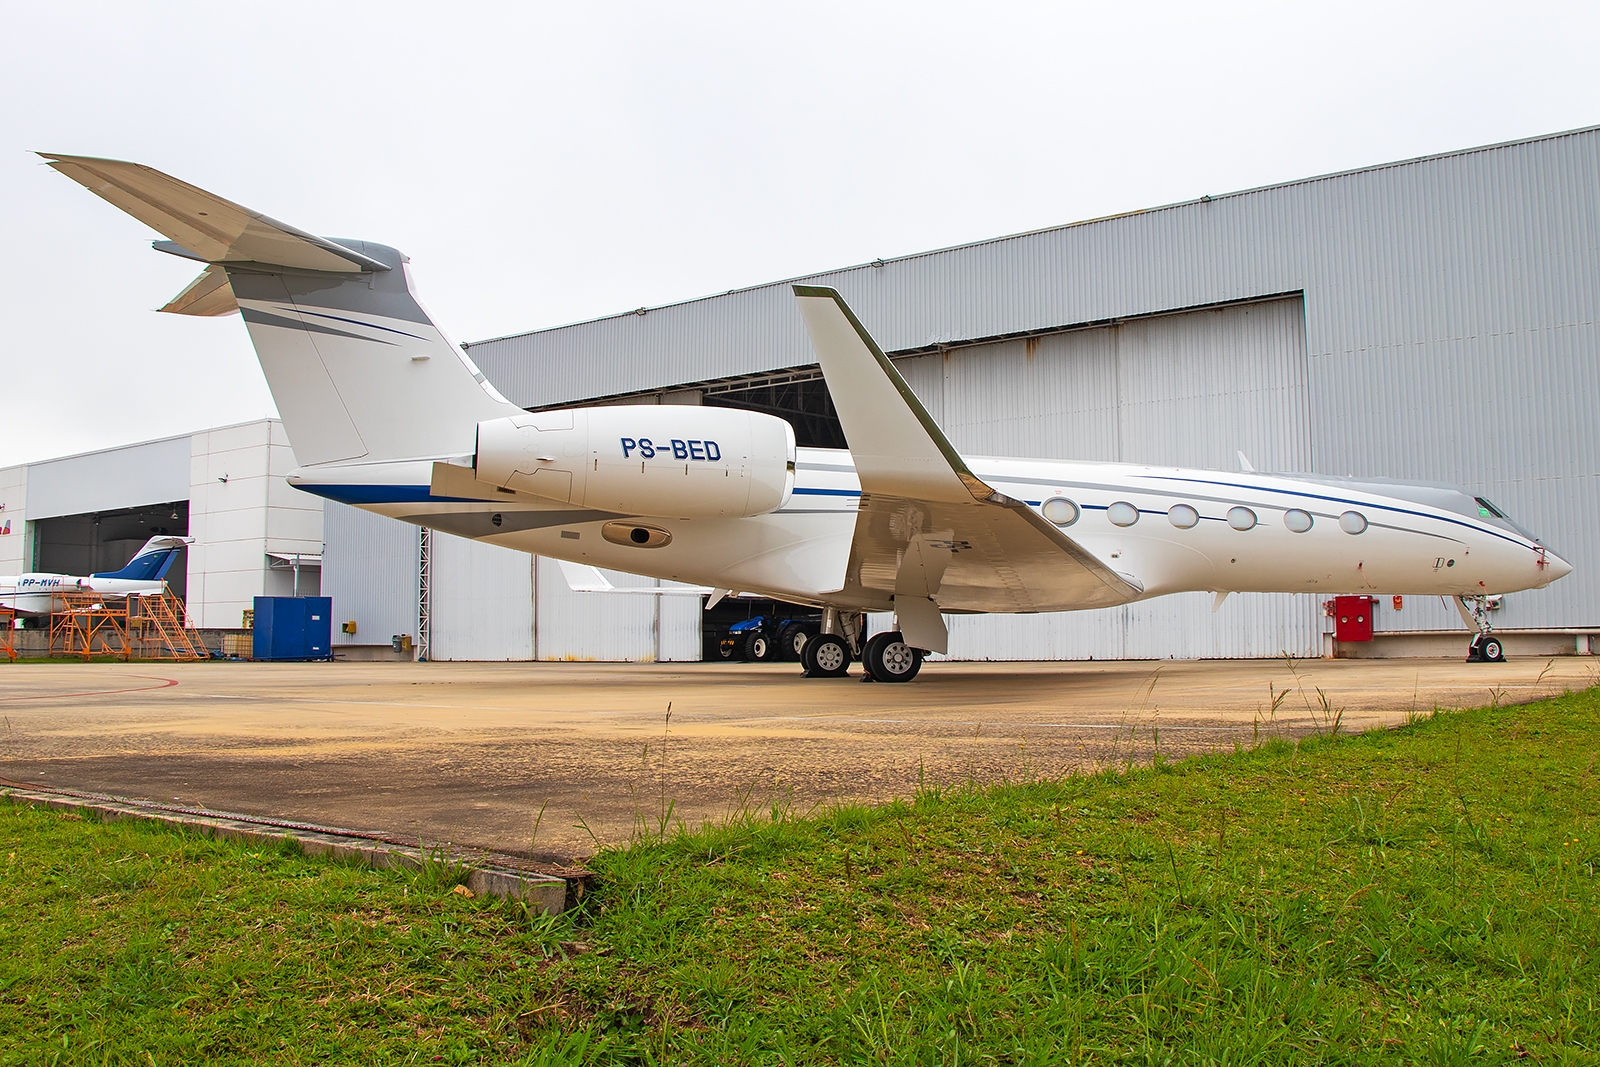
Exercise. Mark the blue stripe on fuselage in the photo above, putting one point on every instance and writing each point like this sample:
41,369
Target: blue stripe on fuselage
1477,527
383,494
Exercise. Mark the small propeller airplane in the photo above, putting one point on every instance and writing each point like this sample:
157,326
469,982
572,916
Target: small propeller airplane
40,593
387,414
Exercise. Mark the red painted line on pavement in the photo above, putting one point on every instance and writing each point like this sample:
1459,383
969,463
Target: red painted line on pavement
165,683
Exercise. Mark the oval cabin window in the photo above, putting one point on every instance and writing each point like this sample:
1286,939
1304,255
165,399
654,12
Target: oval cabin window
1183,516
1241,518
1352,522
1122,513
1297,520
1060,510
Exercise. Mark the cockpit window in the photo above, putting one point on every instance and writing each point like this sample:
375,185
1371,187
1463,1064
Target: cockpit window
1487,510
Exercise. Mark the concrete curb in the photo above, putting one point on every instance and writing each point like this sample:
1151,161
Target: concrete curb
546,892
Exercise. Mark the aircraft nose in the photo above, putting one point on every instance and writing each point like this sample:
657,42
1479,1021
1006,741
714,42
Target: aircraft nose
1555,567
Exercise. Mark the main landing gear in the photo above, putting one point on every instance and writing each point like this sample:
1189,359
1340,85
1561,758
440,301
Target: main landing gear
886,657
1484,647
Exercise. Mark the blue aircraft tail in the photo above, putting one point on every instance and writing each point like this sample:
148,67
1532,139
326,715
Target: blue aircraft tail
150,563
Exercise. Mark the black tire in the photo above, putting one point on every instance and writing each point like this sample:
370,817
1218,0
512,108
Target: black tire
791,638
869,655
888,658
759,648
828,656
728,647
805,660
1492,650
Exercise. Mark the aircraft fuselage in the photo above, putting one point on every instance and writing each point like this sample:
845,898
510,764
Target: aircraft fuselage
1189,530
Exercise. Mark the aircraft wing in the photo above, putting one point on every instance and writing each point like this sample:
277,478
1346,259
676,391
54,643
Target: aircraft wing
928,528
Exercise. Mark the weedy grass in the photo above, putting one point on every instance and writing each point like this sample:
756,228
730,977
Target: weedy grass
1428,894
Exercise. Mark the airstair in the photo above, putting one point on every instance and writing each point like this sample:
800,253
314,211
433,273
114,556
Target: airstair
156,628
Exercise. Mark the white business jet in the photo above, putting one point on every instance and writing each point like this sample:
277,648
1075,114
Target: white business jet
40,593
387,414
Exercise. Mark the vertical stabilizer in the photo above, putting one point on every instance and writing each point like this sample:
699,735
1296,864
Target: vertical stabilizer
358,369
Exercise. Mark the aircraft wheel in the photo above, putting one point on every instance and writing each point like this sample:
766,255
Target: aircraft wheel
828,657
758,647
891,659
869,656
1492,651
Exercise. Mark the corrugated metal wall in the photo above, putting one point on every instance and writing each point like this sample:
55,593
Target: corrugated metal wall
1179,390
606,626
482,600
1452,316
369,568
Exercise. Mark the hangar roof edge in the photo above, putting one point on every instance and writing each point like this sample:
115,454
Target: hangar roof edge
1055,228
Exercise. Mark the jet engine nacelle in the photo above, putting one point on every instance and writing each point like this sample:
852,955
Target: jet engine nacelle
665,461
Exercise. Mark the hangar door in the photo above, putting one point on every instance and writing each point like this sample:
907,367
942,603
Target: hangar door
481,600
1186,389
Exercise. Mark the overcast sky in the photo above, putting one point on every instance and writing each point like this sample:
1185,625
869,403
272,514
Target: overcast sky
543,165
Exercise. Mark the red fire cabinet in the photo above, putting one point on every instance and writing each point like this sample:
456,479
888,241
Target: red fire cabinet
1352,618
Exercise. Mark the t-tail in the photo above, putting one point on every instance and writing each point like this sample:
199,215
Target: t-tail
358,369
152,562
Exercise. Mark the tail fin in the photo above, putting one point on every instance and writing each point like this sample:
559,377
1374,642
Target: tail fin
358,369
150,563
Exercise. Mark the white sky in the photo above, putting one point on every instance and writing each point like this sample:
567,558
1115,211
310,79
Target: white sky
543,164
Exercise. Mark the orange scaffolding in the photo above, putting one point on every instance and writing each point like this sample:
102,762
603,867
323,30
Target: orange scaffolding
85,624
8,633
156,627
150,626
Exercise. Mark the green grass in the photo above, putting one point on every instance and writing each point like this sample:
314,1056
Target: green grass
1423,895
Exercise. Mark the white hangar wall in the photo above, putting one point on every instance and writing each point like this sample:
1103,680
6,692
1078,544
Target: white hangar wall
1451,316
247,523
487,602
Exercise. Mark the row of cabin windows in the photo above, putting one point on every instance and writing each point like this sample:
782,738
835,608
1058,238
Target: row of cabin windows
1064,512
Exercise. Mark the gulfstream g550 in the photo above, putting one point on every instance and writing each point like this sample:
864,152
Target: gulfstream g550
385,413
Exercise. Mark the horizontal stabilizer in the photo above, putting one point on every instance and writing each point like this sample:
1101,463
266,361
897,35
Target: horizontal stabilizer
214,229
208,295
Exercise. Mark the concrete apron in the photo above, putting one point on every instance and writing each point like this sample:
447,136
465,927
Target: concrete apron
489,874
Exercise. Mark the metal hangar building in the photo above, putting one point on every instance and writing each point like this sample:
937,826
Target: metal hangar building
1433,319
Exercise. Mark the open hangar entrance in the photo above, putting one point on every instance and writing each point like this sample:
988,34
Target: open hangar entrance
99,541
1192,387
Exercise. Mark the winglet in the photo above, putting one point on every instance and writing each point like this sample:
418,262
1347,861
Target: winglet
898,449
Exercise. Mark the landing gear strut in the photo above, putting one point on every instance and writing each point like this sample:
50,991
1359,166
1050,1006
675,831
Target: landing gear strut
828,655
1475,613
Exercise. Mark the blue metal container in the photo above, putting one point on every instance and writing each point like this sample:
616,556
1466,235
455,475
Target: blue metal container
293,627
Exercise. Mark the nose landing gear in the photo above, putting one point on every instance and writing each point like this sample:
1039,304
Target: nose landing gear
1485,649
1475,613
